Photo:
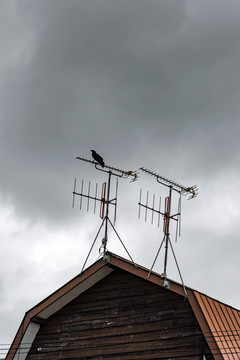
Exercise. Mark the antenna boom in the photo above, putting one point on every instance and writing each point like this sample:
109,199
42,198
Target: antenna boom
191,190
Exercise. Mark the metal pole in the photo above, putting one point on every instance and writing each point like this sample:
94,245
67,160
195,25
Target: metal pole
184,289
167,234
122,243
92,246
156,257
107,208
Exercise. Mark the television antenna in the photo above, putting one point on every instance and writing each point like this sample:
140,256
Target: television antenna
105,202
167,216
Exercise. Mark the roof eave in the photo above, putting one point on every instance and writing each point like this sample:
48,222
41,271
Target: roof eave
47,304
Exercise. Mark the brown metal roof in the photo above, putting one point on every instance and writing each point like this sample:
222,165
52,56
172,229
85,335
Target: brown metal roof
219,323
224,326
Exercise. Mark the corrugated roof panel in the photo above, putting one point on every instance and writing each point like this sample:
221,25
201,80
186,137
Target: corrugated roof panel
230,330
224,324
225,330
234,319
215,327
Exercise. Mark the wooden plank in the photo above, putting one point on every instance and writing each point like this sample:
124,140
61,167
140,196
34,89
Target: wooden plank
117,313
127,324
123,339
144,345
124,301
145,349
132,334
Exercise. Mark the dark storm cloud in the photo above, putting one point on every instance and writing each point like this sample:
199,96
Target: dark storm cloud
68,93
116,76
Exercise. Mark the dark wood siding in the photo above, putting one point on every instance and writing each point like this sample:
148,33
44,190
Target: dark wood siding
122,317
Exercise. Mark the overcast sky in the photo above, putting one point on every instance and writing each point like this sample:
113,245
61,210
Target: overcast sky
152,83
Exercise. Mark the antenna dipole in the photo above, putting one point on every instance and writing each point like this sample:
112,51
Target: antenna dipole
105,200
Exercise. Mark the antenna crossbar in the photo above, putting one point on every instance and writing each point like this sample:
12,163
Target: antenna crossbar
191,190
90,197
159,212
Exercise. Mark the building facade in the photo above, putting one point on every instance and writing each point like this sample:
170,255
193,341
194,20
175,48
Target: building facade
115,310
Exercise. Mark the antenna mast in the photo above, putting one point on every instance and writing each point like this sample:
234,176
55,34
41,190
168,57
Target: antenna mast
167,215
104,200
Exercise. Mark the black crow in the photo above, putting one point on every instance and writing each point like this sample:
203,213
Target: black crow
97,157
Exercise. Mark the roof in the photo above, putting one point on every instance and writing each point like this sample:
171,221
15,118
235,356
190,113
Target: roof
219,323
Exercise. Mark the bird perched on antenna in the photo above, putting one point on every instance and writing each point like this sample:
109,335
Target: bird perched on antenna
98,158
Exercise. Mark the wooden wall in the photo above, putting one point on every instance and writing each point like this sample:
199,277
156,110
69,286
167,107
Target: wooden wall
122,317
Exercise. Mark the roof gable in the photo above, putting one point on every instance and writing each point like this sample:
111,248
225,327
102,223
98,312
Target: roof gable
219,323
121,317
